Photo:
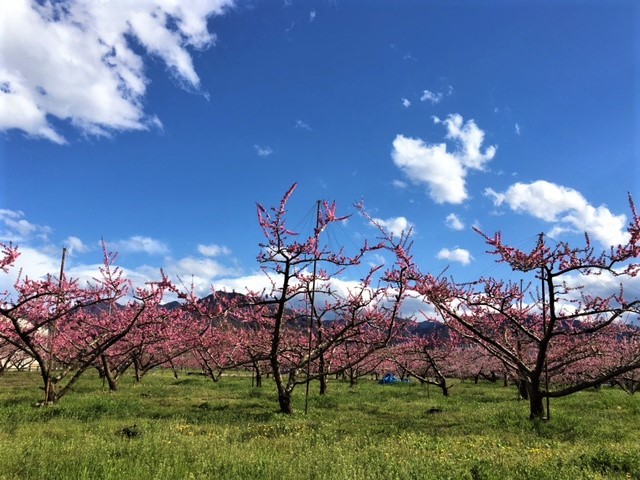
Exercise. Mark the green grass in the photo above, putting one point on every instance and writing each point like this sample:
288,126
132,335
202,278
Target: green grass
193,428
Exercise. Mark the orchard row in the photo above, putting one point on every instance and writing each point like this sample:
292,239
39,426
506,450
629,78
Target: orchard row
552,339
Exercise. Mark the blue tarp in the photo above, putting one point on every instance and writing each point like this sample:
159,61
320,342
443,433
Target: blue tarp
388,378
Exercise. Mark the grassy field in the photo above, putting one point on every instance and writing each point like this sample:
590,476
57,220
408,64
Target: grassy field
192,428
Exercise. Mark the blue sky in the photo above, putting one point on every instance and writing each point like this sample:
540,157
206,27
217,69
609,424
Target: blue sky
158,125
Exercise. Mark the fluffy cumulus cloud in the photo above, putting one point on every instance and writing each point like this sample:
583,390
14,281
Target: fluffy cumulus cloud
566,208
453,222
458,255
395,225
81,61
442,171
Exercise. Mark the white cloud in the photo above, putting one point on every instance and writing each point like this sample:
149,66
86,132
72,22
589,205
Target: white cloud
517,129
302,125
76,61
454,222
406,103
76,245
263,151
204,268
17,229
429,96
312,15
395,225
565,206
470,139
399,184
458,255
31,263
213,250
432,165
442,171
140,244
436,97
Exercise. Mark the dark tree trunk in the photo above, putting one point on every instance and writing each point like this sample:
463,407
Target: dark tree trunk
285,391
523,390
323,376
173,369
108,374
284,399
536,406
137,370
258,377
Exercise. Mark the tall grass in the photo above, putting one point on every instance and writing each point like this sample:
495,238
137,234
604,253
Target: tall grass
192,428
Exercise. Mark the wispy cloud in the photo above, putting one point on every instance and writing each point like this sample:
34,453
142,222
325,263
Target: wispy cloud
42,45
140,244
302,125
406,103
312,15
288,29
263,151
213,250
453,222
436,97
517,129
16,228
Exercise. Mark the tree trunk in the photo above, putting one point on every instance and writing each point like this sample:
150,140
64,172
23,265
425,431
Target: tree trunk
284,399
137,368
323,377
51,395
108,375
445,389
173,369
258,376
523,390
285,391
536,406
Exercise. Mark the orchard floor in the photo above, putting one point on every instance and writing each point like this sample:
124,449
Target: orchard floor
192,428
